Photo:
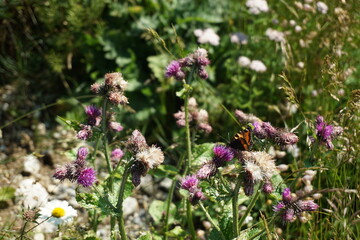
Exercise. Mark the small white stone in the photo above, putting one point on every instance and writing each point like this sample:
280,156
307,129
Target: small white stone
130,206
39,236
31,164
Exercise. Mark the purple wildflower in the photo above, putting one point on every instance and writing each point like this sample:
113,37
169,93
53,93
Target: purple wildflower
286,138
288,215
137,142
189,183
174,70
259,131
197,196
207,170
60,173
87,177
117,154
267,187
115,126
222,155
279,206
85,132
308,205
325,132
269,129
286,195
94,115
82,153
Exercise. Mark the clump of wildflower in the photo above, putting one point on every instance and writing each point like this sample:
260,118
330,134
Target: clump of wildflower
190,183
57,212
94,115
222,155
239,38
207,35
290,206
257,66
258,166
112,88
197,60
196,116
325,133
264,130
147,157
275,35
257,6
77,170
244,61
245,117
30,215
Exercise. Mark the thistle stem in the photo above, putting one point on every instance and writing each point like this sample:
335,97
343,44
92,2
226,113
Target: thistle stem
212,221
105,142
23,230
119,205
251,205
235,208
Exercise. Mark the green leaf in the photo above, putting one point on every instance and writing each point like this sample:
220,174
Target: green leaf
248,233
73,124
87,200
147,236
177,232
157,211
158,65
7,193
164,171
202,153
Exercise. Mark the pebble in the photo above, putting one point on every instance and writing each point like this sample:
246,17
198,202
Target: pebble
130,206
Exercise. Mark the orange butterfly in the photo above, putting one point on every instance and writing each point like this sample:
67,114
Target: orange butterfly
242,140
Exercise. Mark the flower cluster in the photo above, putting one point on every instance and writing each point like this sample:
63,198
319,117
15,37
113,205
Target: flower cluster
325,133
258,166
264,130
198,59
207,35
290,206
257,6
77,170
93,120
199,117
190,183
222,155
255,65
113,88
245,117
275,35
147,157
115,156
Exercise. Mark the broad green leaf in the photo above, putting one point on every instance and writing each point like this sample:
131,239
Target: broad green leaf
177,232
157,211
7,193
202,153
87,200
147,236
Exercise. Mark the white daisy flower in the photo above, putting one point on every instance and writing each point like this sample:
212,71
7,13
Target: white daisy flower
57,212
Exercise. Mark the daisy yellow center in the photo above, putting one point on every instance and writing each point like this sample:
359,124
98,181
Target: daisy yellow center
58,212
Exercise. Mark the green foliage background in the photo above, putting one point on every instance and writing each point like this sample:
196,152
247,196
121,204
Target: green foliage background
51,51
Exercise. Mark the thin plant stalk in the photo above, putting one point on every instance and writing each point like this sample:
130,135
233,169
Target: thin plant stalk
120,201
212,221
23,230
235,208
169,200
105,142
188,149
251,205
33,227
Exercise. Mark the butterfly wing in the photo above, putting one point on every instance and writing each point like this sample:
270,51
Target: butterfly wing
242,140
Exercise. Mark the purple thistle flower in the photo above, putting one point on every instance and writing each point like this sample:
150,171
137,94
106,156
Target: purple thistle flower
222,155
327,132
197,196
84,133
60,173
202,73
288,215
115,126
94,115
206,171
286,195
189,183
308,205
174,70
286,138
279,206
267,188
87,177
269,129
117,154
259,131
82,153
137,142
